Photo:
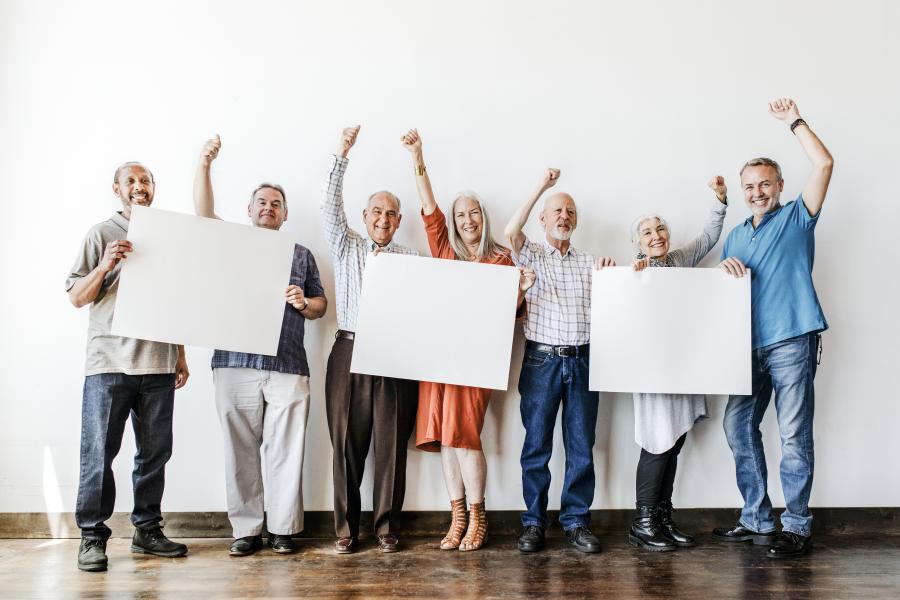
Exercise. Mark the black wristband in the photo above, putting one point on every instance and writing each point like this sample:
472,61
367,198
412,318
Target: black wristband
797,124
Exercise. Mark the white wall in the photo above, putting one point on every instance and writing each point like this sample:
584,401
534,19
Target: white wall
638,103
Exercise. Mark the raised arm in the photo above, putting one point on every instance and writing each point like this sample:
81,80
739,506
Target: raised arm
336,229
412,142
785,110
696,249
513,229
204,203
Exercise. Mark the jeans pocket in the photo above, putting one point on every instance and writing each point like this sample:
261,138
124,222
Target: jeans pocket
536,359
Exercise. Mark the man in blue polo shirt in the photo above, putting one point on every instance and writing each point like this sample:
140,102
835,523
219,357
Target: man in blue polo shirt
777,245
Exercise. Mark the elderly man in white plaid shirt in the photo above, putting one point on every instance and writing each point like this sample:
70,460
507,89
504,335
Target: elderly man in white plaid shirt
555,369
362,407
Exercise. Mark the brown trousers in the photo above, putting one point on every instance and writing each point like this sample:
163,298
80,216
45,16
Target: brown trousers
360,407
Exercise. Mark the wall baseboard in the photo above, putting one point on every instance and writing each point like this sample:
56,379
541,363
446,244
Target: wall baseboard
320,524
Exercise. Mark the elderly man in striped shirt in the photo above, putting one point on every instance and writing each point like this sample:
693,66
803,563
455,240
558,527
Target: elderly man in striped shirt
555,369
360,407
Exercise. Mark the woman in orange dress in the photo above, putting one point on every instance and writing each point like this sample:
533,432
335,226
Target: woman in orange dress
450,417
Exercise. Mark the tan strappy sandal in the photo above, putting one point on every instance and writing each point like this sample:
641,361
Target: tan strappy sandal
477,532
457,525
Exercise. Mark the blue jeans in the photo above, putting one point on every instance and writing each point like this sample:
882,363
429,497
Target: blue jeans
545,381
787,367
108,400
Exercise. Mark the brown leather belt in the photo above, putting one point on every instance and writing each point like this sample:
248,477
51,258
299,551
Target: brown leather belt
347,335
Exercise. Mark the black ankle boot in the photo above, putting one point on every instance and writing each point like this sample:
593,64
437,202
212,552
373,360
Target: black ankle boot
646,532
669,528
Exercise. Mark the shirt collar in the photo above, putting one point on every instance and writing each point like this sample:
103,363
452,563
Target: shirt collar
766,217
119,220
371,245
550,249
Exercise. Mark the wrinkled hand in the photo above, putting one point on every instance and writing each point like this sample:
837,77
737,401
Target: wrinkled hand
114,253
550,178
640,264
605,261
784,109
294,296
717,184
181,372
348,138
210,150
733,267
527,277
412,141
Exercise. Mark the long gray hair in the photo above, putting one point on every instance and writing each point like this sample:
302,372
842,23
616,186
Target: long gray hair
488,246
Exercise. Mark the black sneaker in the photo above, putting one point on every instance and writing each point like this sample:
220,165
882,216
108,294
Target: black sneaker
531,539
245,545
92,555
583,540
789,545
282,544
152,541
739,533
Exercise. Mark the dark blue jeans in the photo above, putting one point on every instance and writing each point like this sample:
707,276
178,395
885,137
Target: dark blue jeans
546,381
787,368
108,400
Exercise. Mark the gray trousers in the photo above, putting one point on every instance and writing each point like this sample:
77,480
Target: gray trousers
263,416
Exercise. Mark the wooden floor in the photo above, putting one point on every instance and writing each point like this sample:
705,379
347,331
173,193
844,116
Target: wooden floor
838,567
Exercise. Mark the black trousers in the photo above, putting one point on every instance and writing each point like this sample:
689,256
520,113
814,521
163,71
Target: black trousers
656,475
361,408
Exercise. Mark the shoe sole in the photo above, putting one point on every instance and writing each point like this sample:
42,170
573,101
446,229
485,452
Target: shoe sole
92,568
242,552
389,550
636,542
284,550
758,540
531,550
174,554
795,555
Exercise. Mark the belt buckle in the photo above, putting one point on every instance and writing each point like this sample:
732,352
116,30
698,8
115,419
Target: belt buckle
565,351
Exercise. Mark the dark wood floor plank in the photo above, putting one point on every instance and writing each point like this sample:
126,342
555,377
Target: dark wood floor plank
839,567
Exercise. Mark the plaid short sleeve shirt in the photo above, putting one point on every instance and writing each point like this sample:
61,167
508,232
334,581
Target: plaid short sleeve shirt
291,357
559,302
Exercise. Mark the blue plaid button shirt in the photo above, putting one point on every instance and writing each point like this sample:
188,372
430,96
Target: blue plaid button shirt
291,357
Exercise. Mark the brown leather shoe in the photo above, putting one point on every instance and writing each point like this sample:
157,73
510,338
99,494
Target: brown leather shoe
388,542
346,545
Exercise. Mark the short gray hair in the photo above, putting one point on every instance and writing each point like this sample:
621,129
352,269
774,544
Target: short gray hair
636,228
762,161
131,164
271,186
389,195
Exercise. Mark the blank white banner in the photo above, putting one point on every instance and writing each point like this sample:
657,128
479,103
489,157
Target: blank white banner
437,320
203,282
670,330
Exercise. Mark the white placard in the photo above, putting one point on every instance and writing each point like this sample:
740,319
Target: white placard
203,282
670,330
439,320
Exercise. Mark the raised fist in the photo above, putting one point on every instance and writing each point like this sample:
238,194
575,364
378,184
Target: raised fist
211,150
348,138
717,184
411,141
550,178
784,109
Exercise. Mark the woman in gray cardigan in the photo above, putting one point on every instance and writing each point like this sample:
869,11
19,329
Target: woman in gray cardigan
661,421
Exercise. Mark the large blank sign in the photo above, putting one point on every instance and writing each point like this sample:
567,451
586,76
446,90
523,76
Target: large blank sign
436,320
203,282
670,330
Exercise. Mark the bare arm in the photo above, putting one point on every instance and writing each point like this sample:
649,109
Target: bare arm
413,143
311,307
513,229
181,369
204,203
784,109
86,289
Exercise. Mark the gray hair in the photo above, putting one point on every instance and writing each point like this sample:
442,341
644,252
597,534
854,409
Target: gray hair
131,164
762,161
488,246
271,186
636,229
389,195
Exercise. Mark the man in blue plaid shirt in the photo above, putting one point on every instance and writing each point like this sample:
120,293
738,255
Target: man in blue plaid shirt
264,400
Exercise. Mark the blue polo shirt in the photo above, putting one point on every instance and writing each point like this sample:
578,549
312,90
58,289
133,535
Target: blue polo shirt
779,253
